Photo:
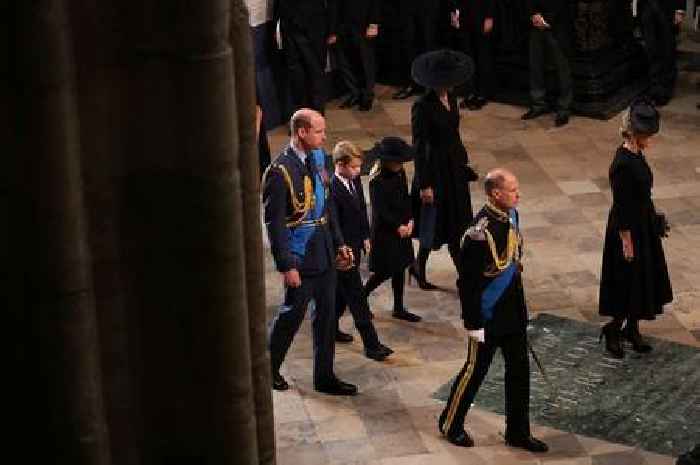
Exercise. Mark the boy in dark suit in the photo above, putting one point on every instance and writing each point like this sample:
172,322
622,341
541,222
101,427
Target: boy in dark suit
349,200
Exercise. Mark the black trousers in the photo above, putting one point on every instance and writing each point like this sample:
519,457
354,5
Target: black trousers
306,63
397,286
419,33
544,48
356,62
472,41
321,288
349,293
469,379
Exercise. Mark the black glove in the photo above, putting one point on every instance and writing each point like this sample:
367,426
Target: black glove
662,226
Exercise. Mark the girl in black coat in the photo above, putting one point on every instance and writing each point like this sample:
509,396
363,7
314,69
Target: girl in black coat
392,222
634,281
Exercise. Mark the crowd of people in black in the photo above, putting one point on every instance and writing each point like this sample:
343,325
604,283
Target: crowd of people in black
317,35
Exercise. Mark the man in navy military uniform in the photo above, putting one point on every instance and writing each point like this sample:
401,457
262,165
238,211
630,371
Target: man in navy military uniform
495,315
307,247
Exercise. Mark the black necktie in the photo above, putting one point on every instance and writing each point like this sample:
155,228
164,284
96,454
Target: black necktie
353,192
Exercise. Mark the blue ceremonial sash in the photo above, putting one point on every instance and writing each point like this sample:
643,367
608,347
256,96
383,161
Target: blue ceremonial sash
496,288
299,235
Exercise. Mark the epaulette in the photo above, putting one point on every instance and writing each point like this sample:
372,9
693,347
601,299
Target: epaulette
476,232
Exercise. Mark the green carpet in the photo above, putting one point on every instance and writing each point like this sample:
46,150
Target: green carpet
649,401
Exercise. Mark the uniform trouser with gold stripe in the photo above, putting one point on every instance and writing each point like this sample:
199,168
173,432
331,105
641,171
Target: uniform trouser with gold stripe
517,384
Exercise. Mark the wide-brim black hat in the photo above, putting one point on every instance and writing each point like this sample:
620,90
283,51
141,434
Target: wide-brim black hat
442,69
392,149
644,118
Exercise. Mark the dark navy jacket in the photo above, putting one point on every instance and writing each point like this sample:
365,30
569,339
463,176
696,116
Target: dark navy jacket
318,253
352,212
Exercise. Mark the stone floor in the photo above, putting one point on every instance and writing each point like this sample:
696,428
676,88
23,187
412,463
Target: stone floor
565,199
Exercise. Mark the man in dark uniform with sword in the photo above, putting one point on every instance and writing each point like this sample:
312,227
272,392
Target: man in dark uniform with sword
495,315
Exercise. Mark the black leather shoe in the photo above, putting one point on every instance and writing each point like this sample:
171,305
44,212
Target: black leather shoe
561,119
405,315
635,338
613,343
343,337
528,443
470,103
279,383
337,388
386,349
376,354
365,104
401,94
534,112
461,439
406,92
350,102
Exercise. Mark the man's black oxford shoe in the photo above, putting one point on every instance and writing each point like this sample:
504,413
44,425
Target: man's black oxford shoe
561,119
379,353
337,388
461,439
279,383
405,315
342,337
534,112
350,102
528,443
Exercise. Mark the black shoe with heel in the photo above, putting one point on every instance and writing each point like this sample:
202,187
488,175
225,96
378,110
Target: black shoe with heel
613,340
635,338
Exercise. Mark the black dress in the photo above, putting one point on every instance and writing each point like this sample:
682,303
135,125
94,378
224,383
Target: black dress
441,163
391,207
636,289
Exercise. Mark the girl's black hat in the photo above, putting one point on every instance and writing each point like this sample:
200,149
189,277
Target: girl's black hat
392,148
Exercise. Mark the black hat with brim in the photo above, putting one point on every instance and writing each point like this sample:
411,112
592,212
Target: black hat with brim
392,148
442,69
644,118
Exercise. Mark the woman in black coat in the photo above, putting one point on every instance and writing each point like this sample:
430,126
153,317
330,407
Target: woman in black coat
440,191
392,222
634,281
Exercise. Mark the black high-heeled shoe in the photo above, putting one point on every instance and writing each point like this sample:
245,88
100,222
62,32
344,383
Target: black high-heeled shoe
422,282
613,342
635,338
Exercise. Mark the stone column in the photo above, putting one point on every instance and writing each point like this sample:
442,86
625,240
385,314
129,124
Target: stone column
244,65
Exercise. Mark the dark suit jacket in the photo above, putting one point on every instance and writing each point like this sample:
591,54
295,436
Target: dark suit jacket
357,14
310,17
320,249
351,212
